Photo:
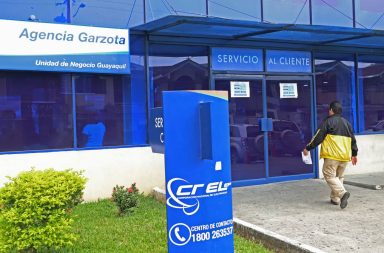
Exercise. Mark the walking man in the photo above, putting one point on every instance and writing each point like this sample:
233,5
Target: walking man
338,148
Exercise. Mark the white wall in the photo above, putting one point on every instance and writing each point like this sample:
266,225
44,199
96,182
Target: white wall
369,157
104,168
107,167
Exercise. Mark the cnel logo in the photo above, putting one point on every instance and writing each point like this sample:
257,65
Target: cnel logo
185,196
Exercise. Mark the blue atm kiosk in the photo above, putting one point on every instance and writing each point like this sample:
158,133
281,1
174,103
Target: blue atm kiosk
198,172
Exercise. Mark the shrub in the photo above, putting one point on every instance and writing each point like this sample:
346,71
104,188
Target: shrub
35,207
125,198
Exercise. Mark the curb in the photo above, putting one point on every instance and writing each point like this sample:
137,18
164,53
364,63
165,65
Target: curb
159,194
367,186
272,240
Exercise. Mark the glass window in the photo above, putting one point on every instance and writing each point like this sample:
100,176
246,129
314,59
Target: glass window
156,9
335,80
136,133
371,94
291,12
42,11
240,9
116,14
35,111
369,14
332,12
175,67
103,110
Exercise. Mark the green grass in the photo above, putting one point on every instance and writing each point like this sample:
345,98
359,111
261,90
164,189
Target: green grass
101,230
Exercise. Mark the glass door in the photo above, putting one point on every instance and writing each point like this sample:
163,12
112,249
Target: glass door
284,102
246,139
289,107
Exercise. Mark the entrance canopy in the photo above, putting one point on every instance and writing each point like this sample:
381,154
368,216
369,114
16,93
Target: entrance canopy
210,30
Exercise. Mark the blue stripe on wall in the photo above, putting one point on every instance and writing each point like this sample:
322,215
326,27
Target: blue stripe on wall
117,63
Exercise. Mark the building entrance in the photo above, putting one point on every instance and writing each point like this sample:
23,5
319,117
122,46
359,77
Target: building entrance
270,123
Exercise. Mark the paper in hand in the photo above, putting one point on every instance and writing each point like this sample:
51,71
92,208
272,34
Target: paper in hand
306,159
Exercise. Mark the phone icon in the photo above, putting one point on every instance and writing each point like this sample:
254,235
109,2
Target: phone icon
179,234
180,238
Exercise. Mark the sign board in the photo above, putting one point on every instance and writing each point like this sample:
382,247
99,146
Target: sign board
288,61
242,59
240,89
156,130
198,172
237,59
60,47
288,90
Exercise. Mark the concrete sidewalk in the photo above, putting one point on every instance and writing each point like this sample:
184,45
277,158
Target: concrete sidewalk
301,211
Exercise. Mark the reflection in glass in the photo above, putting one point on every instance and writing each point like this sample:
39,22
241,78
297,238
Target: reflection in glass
335,80
102,110
177,68
115,14
291,119
290,12
332,12
369,14
246,139
35,111
371,88
240,9
39,11
156,9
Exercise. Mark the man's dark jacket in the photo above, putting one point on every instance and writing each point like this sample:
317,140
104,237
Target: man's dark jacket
337,139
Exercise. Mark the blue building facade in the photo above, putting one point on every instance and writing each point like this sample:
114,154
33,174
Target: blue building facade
282,62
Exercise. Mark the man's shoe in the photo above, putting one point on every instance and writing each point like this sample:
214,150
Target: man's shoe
335,203
344,200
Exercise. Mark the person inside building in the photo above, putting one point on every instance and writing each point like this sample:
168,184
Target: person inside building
338,148
94,131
